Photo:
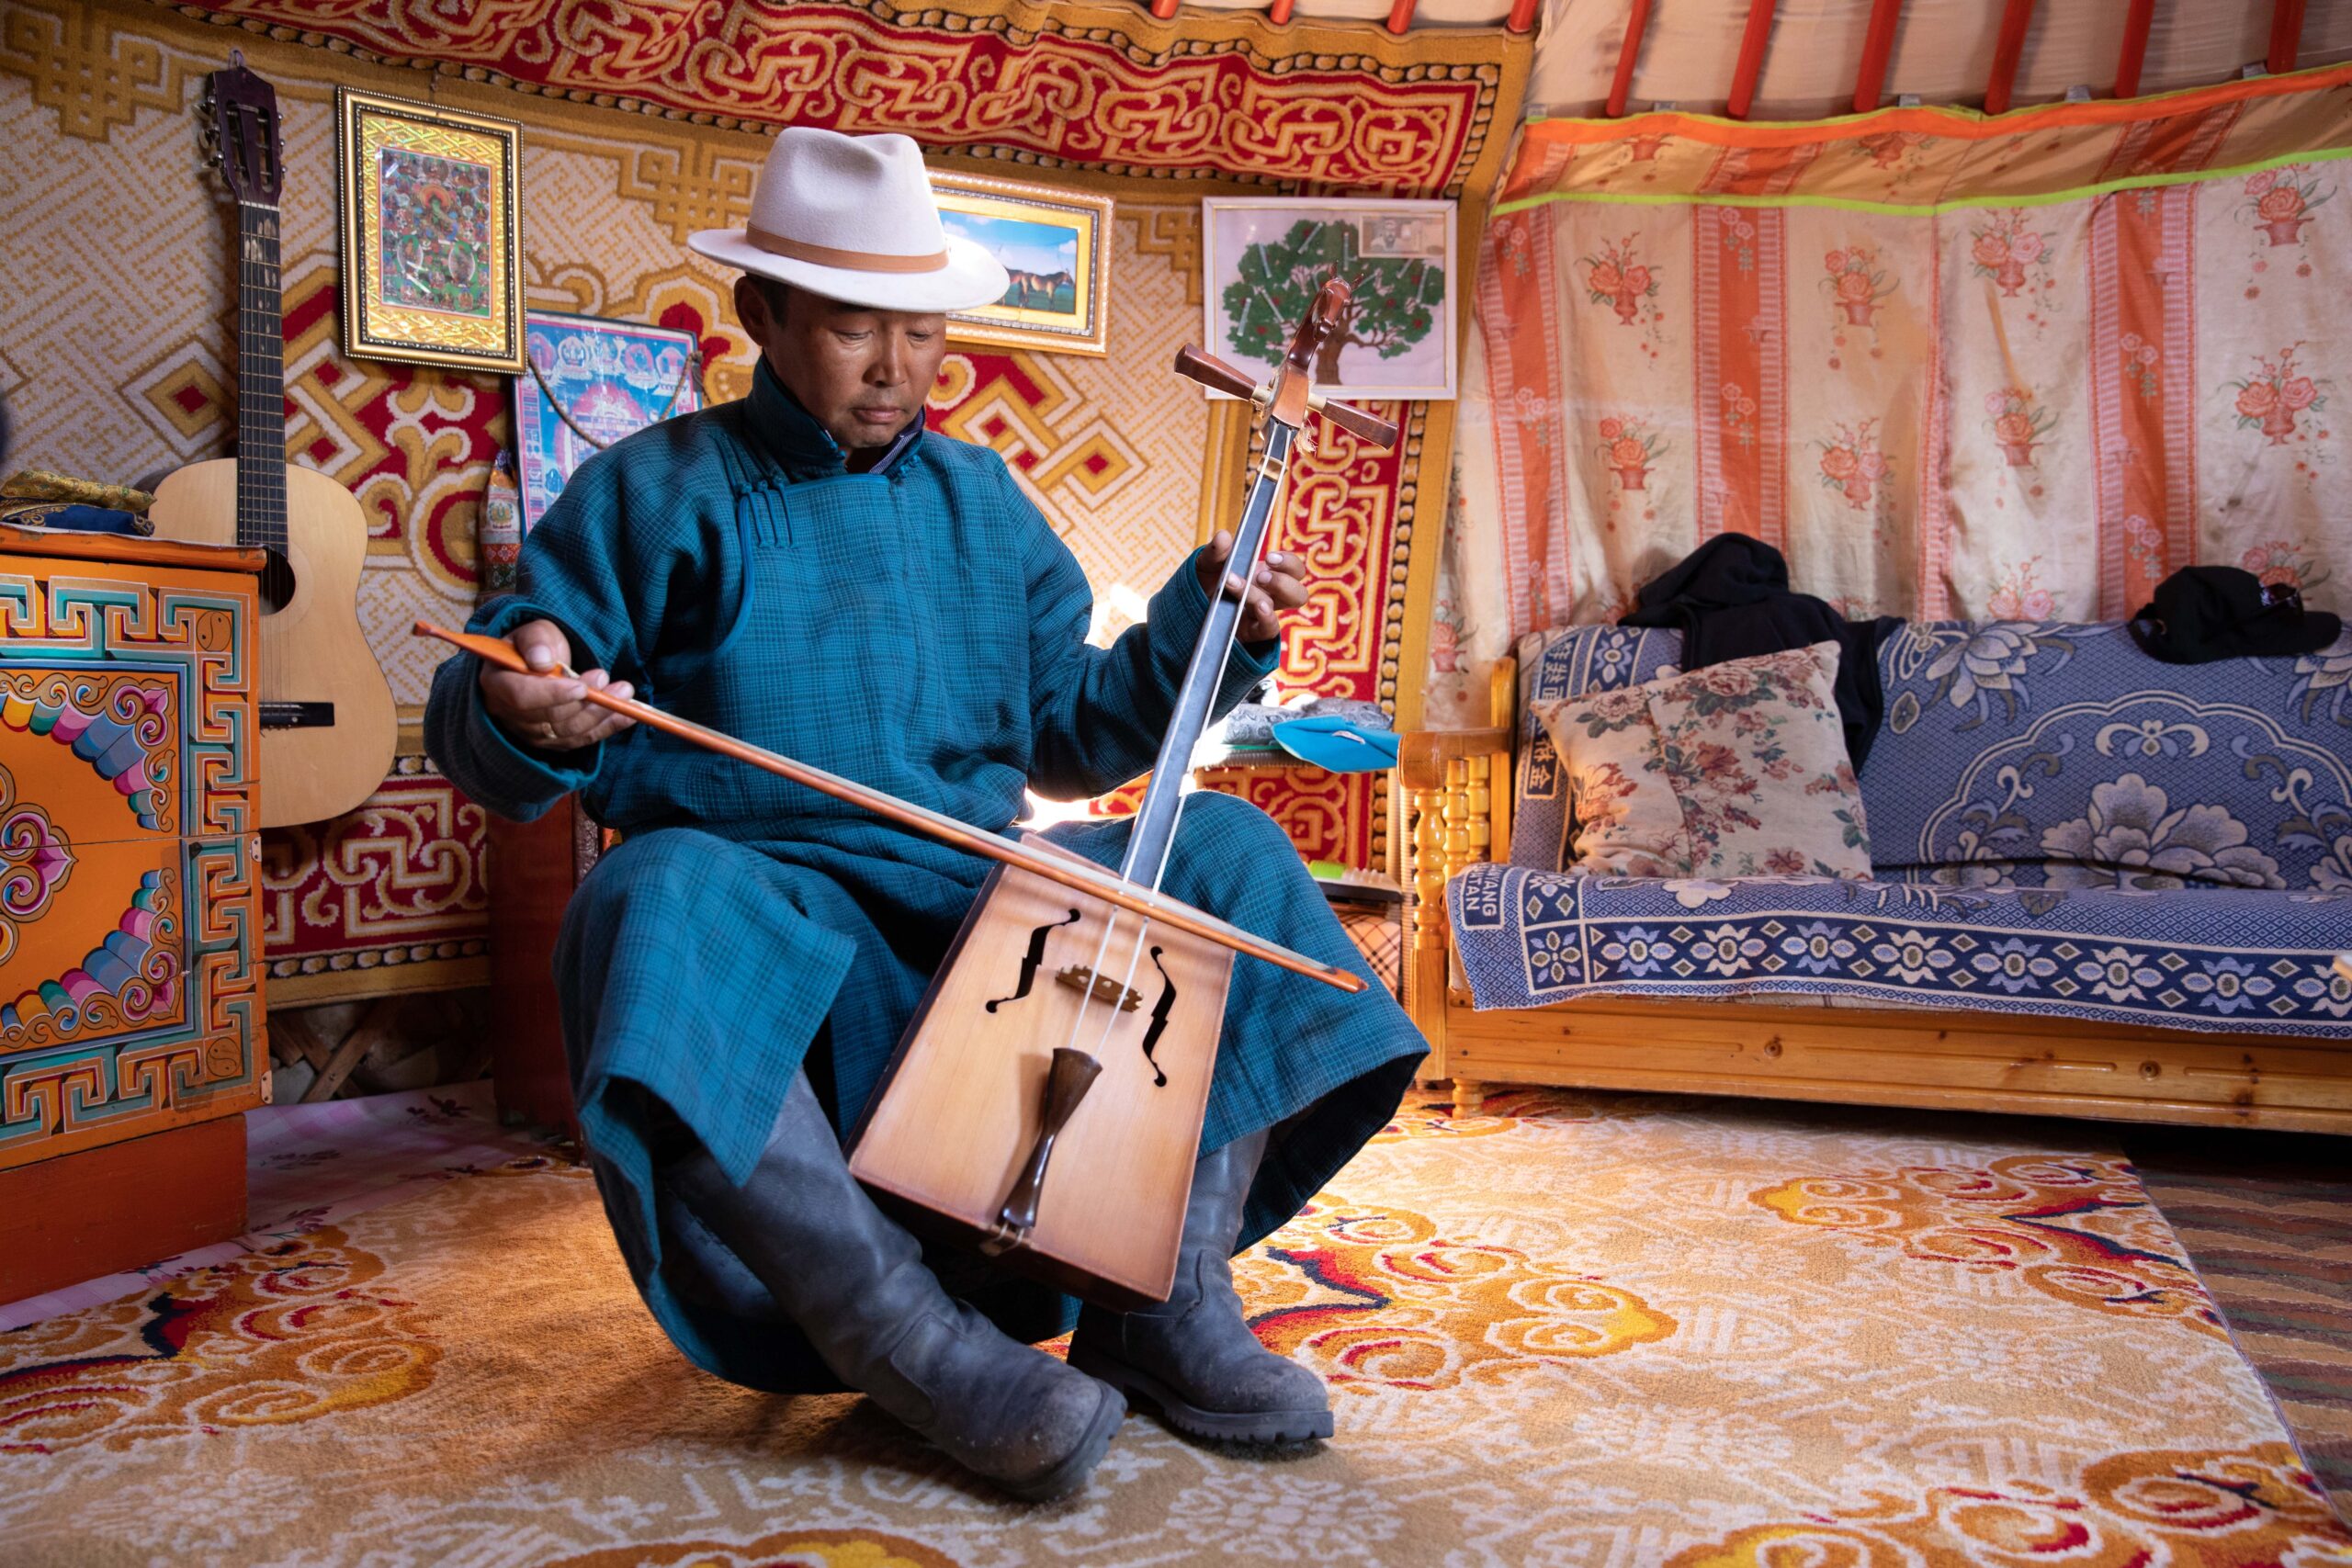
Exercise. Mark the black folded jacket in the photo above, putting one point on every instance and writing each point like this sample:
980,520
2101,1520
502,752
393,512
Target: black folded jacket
1730,599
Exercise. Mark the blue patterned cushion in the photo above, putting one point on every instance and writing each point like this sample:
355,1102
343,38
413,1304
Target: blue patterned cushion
2058,755
2226,959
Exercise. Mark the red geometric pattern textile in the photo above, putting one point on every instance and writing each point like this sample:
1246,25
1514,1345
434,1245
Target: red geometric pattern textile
1106,86
104,88
391,897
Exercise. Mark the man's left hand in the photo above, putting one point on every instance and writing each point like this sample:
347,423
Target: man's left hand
1277,587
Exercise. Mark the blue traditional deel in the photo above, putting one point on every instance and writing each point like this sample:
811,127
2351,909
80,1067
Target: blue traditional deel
2061,824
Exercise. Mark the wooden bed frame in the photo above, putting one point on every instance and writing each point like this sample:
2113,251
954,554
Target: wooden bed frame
1453,810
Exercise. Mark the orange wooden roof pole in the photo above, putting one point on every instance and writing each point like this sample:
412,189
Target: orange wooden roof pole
1400,14
1751,58
1878,44
2007,49
2136,48
2286,35
1279,12
1627,52
1523,15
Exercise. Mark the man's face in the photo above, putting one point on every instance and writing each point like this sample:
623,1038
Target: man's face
864,373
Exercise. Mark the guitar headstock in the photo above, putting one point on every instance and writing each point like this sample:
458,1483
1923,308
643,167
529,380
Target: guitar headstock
242,133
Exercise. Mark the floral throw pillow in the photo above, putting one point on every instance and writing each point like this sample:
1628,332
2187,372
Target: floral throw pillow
1735,770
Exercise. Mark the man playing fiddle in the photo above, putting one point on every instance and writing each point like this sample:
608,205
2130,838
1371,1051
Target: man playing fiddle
809,569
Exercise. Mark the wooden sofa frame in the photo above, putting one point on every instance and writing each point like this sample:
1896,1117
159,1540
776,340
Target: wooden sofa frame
1453,810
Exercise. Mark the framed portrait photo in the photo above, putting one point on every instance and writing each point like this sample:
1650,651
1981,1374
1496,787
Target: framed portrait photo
1265,258
1055,243
431,227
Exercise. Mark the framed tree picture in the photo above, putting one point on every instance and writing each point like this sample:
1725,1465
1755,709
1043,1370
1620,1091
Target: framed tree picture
431,229
1055,246
1265,258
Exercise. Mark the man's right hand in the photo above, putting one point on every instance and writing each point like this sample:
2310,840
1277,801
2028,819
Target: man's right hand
547,714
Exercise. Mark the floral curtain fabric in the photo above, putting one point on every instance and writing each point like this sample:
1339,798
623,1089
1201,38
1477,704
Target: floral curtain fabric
1954,366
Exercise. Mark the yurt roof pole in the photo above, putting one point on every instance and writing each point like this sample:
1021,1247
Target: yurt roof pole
1752,44
1627,52
1877,45
2136,48
2007,49
2286,35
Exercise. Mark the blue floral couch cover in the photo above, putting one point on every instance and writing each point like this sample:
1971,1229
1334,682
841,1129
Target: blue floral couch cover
2059,824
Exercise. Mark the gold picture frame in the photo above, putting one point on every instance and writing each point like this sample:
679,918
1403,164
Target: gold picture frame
1040,233
430,210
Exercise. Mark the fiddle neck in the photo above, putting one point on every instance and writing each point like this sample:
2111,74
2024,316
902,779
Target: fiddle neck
1155,820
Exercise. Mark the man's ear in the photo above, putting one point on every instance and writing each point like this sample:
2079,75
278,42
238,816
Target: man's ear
752,308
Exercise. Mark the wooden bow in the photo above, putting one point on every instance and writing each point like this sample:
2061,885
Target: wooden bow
1055,864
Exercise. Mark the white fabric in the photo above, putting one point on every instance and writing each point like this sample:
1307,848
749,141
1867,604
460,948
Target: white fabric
1943,51
863,194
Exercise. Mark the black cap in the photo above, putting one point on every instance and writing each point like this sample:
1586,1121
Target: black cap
2204,613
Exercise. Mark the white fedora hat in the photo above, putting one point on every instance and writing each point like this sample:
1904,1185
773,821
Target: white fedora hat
851,218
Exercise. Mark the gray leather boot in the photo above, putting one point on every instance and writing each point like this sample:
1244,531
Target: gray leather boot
855,1284
1195,1357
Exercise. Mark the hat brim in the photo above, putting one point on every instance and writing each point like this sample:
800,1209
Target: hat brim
971,278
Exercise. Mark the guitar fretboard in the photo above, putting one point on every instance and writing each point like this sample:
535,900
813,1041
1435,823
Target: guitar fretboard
260,382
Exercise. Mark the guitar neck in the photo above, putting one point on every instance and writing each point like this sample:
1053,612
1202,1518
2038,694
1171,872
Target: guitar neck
260,382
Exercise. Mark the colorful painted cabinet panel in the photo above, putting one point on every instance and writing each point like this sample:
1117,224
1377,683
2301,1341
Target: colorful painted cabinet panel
130,997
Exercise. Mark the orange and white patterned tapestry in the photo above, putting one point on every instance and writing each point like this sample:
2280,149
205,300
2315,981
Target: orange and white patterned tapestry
115,333
2015,367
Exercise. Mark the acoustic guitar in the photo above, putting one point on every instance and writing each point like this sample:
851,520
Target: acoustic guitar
328,728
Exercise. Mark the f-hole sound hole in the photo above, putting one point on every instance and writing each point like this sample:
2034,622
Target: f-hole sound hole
1030,959
277,584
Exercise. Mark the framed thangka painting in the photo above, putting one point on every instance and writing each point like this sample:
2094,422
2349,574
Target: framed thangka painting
587,383
1056,248
1266,258
432,233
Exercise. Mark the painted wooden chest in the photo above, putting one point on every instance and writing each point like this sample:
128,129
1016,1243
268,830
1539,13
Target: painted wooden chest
131,1003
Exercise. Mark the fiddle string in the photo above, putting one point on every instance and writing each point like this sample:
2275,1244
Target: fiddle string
1266,470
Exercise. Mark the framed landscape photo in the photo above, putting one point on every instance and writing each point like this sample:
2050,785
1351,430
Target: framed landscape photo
1265,258
1055,243
432,228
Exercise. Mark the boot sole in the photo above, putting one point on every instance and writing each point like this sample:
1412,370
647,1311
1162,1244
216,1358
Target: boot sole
1070,1474
1261,1426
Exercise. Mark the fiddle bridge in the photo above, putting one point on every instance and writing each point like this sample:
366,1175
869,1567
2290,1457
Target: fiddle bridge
1082,978
985,1129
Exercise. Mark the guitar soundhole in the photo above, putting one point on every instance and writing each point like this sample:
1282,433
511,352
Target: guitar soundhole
277,584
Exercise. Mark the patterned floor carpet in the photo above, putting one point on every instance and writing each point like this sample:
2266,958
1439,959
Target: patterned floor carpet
2266,1218
1603,1332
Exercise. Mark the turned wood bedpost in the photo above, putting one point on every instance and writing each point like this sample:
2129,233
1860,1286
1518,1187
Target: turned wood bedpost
1454,790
